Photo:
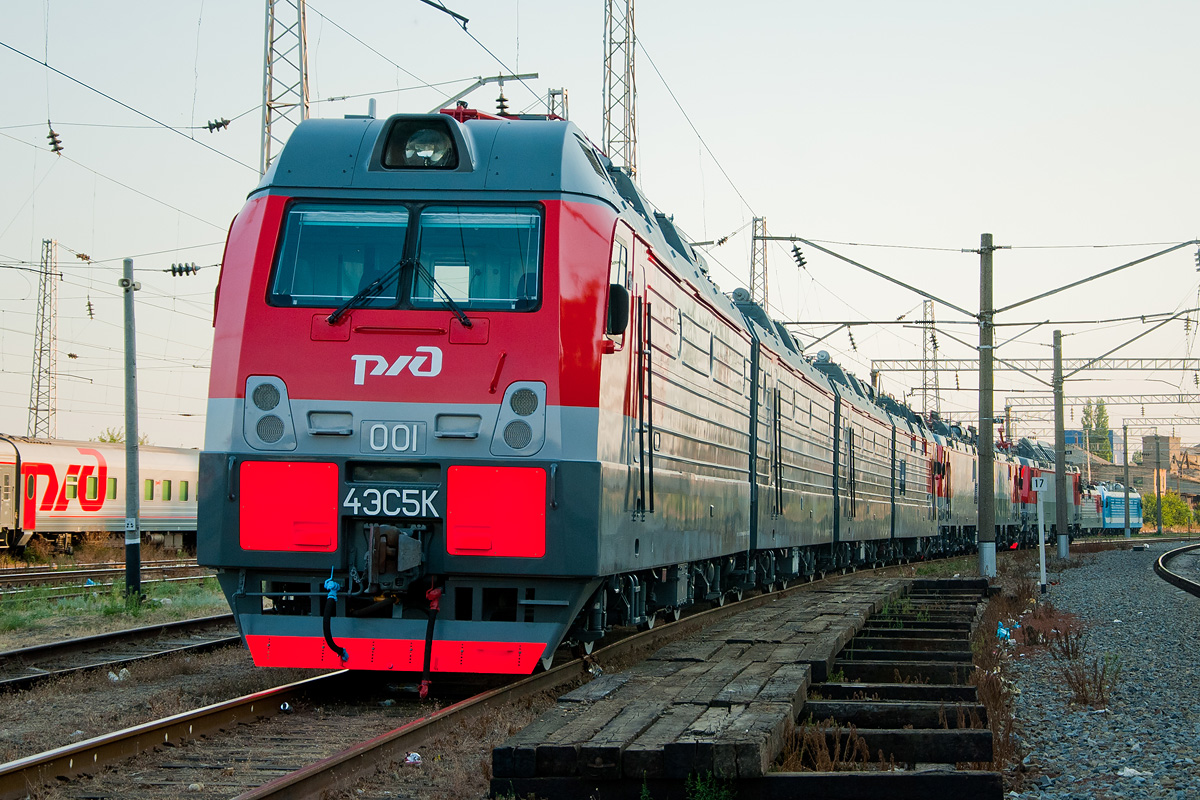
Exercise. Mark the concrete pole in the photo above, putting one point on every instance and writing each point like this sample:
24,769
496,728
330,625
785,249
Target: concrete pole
1060,453
1041,502
1125,446
1157,483
133,532
986,524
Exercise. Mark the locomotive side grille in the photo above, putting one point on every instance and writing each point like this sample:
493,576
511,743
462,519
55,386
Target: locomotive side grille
270,428
518,434
266,397
524,402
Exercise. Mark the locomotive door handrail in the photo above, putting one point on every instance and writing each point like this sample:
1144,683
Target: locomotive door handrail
650,398
777,452
641,404
645,369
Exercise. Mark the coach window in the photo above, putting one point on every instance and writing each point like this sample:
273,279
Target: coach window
183,491
71,489
166,490
149,490
112,489
92,491
331,252
480,257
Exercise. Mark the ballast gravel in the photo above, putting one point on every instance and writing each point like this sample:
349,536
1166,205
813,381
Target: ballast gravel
1146,743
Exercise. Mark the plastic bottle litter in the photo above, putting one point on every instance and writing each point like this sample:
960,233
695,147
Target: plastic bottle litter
413,758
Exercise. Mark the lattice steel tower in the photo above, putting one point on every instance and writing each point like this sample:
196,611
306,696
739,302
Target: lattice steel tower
620,89
285,76
930,383
45,347
758,263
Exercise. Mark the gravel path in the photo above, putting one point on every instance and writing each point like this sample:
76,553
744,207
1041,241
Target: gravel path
1146,744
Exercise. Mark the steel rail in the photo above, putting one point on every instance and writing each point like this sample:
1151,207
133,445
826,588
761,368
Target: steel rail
45,577
25,776
79,591
70,647
1174,578
37,569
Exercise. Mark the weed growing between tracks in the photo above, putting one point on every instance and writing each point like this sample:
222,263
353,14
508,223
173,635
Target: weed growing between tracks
827,746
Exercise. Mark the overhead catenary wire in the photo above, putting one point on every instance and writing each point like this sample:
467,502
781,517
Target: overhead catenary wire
122,185
127,106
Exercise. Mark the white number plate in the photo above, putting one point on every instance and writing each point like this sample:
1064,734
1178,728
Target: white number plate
393,438
412,501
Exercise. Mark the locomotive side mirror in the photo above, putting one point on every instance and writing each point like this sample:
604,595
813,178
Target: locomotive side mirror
618,309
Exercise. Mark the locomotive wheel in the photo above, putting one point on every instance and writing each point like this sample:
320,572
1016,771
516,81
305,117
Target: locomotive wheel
648,624
719,600
547,662
737,595
676,613
581,649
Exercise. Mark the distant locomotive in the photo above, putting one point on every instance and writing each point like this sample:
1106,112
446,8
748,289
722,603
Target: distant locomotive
473,396
56,490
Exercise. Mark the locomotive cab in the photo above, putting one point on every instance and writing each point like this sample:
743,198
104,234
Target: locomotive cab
404,390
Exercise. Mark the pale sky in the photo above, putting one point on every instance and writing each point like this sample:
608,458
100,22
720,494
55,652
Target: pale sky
919,124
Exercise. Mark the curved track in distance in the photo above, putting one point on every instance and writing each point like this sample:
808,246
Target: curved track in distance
1176,558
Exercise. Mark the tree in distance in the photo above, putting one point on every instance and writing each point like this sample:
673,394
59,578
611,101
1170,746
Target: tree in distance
1176,513
115,435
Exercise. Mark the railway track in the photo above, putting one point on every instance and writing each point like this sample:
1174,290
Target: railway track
28,666
1181,568
341,766
14,581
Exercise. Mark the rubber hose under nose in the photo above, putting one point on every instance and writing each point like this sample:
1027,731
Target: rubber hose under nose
330,607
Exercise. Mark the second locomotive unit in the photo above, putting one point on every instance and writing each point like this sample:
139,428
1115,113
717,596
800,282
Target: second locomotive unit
473,396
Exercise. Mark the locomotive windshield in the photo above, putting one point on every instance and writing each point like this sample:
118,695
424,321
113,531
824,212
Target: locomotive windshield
482,257
329,253
479,257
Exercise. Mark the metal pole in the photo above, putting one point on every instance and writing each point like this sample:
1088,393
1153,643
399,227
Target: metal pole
986,521
133,533
1060,452
1157,485
1125,446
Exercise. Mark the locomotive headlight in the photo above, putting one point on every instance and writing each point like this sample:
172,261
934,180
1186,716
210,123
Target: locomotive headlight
427,148
420,142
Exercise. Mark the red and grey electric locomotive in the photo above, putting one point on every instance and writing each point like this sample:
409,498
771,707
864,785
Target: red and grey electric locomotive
473,397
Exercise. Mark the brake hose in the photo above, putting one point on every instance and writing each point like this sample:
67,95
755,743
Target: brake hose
434,596
330,606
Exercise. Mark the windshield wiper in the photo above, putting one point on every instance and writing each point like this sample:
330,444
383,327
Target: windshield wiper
466,323
367,292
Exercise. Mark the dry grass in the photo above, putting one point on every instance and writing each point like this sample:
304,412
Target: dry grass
1090,679
827,746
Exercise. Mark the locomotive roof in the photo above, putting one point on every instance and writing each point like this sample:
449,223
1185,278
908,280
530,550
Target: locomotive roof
508,155
494,154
